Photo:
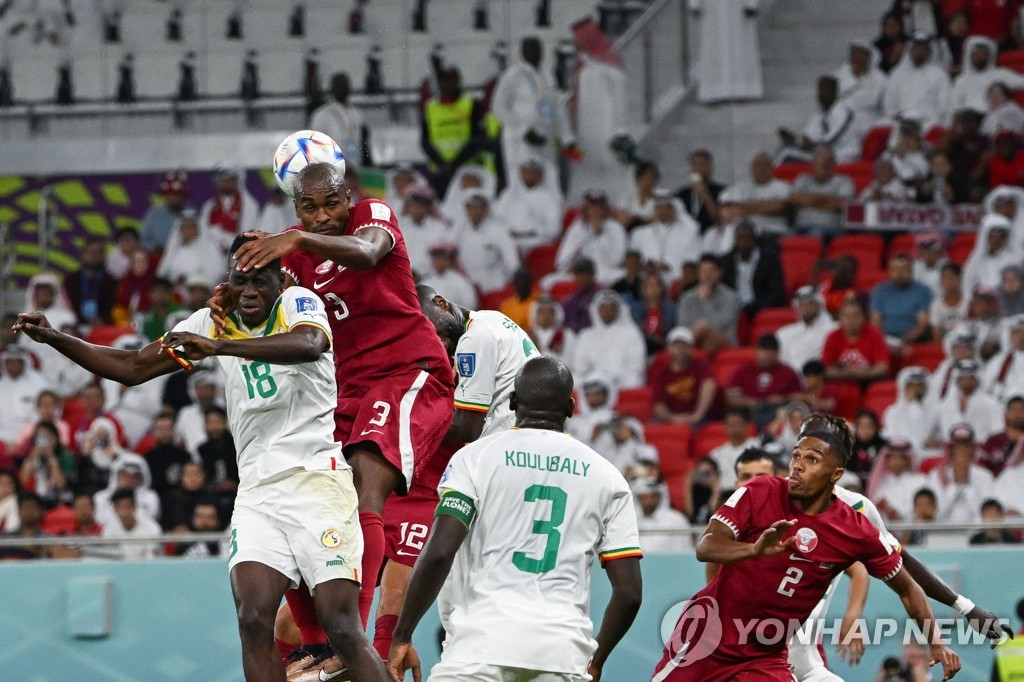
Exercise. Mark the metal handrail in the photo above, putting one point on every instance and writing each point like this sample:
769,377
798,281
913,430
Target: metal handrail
46,220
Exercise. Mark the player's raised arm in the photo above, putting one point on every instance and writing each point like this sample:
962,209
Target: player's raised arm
322,204
916,604
718,544
851,635
123,366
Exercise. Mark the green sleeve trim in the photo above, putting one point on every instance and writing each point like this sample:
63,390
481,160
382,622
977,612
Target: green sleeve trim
454,503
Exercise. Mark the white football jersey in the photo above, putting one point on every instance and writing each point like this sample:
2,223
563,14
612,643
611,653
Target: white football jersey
540,506
281,416
487,358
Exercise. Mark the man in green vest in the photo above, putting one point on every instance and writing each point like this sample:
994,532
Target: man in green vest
452,132
1009,663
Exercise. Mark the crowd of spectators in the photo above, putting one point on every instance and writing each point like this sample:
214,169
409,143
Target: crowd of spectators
699,333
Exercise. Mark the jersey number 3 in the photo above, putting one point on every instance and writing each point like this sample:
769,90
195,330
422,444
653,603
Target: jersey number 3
557,497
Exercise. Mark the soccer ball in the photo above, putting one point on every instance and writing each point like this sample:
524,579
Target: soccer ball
300,149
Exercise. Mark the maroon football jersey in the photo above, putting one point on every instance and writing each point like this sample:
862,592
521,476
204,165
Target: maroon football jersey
786,587
378,327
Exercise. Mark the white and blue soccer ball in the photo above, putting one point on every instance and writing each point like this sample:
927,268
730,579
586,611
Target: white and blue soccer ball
300,149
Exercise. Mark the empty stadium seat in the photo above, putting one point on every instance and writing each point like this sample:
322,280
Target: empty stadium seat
935,136
541,260
563,290
930,463
902,243
493,300
880,395
860,172
847,399
790,171
865,248
677,492
635,402
729,359
960,248
868,279
875,142
769,320
1011,59
105,335
798,256
927,355
672,441
711,435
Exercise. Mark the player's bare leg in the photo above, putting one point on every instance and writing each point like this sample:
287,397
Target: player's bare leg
337,608
394,583
257,590
374,480
286,633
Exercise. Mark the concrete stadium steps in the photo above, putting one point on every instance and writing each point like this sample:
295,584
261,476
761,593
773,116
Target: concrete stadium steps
799,41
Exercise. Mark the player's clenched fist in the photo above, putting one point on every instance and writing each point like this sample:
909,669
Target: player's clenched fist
194,346
403,656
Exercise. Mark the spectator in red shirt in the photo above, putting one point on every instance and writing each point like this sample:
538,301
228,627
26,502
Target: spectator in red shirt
764,385
1006,162
684,388
819,395
989,18
84,511
856,351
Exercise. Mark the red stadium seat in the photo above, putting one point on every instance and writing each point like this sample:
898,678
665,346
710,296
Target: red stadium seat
105,335
708,437
801,244
790,171
72,411
797,269
635,402
847,399
563,290
961,246
928,464
59,521
729,359
865,248
677,489
860,172
569,217
927,355
769,320
869,279
880,395
541,260
875,143
903,243
936,136
711,435
493,300
1012,59
1018,96
672,441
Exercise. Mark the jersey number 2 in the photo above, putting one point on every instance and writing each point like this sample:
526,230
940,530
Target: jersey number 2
557,497
792,577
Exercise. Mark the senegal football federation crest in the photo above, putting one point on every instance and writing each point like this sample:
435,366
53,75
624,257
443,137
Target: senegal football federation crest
331,539
806,540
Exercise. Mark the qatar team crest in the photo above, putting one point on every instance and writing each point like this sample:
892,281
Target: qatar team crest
324,267
331,539
806,540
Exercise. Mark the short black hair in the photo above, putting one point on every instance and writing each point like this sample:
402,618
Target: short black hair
813,368
125,230
836,447
701,152
711,258
992,503
1015,399
242,239
952,267
754,455
926,492
161,282
712,462
738,411
215,409
30,497
122,494
645,166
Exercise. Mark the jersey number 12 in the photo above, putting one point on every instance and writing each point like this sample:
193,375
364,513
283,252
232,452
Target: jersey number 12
549,528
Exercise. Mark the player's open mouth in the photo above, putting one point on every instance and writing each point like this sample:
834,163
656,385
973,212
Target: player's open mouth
250,308
793,481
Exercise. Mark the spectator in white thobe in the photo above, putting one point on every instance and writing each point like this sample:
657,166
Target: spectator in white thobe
422,227
862,85
728,57
532,115
341,121
979,71
670,239
597,236
663,530
612,345
488,253
531,205
803,340
918,84
446,279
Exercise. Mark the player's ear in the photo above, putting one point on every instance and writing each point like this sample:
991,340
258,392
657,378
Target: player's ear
570,409
513,401
837,474
441,302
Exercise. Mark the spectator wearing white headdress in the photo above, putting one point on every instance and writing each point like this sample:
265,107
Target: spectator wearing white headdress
959,484
422,226
549,331
446,279
862,85
621,442
1004,114
918,84
893,480
135,407
20,386
968,404
468,181
205,389
914,416
531,205
594,235
1003,375
487,252
978,72
992,252
613,334
595,408
232,211
670,238
663,530
191,252
45,294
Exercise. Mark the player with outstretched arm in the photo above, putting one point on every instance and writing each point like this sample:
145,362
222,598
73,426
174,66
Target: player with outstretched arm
782,542
523,513
296,514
